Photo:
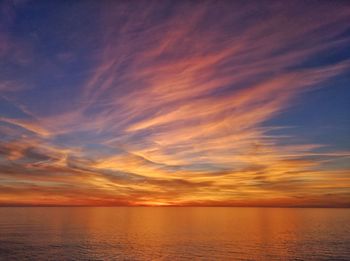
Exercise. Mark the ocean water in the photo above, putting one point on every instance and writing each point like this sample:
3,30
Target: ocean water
167,233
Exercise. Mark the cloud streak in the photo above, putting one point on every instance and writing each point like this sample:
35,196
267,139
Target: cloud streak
173,106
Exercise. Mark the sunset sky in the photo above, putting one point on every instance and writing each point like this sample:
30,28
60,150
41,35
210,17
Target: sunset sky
205,103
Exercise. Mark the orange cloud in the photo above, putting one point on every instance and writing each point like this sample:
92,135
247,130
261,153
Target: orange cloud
175,113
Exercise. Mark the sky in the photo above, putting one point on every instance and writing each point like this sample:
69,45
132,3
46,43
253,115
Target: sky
184,103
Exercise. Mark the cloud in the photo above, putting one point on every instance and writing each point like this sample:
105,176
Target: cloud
173,107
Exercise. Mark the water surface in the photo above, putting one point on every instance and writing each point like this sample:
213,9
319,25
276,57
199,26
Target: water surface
166,233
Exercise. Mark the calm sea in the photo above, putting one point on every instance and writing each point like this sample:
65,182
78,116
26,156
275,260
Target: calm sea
166,233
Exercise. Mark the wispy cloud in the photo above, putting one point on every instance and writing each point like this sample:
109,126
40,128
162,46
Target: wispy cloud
173,107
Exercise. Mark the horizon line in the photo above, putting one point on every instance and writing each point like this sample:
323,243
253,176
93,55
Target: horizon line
163,206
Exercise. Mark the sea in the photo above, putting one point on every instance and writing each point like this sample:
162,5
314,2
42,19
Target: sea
174,233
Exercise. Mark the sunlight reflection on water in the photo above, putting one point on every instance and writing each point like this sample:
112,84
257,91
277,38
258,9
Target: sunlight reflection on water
166,233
